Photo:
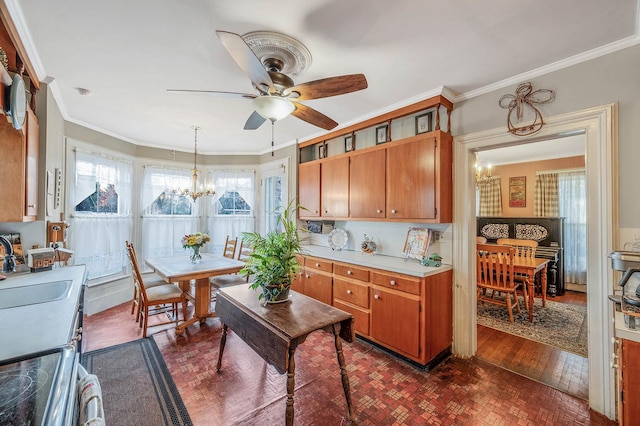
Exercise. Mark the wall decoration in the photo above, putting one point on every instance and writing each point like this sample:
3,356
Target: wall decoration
417,243
524,118
349,143
423,123
518,191
382,134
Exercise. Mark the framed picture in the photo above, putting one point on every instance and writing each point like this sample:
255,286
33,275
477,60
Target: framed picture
349,143
322,151
417,243
381,134
423,123
518,191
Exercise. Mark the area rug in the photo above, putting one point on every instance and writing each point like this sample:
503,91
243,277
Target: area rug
558,324
137,388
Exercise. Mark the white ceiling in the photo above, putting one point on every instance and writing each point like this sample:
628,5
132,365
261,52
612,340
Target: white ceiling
127,53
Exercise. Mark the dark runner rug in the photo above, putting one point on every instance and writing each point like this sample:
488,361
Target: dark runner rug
558,324
137,388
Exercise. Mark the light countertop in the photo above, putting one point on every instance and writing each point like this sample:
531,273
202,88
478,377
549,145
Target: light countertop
625,332
39,327
387,263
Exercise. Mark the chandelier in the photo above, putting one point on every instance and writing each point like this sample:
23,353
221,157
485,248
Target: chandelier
195,192
482,178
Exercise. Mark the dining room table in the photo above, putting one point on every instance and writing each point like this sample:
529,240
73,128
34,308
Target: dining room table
530,267
180,269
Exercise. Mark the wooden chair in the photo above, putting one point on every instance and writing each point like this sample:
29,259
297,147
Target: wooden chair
495,272
154,300
136,301
227,280
524,249
230,248
481,240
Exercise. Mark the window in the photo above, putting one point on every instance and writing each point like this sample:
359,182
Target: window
101,222
167,216
232,208
274,192
572,203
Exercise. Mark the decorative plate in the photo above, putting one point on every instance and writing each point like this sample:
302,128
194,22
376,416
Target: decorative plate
338,239
18,102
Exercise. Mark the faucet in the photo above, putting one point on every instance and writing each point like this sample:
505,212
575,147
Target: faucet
9,263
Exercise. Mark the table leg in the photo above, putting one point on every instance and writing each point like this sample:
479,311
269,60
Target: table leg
291,384
532,289
223,341
544,285
343,372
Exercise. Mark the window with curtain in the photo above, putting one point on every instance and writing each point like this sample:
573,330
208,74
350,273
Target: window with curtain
101,221
167,216
275,193
545,201
489,198
572,203
232,210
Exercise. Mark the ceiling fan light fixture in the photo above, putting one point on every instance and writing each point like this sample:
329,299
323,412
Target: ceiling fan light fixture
273,108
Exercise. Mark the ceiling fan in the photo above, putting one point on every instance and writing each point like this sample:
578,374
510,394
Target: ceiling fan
277,95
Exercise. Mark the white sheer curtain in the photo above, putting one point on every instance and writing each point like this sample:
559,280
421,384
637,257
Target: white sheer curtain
161,233
232,210
98,236
572,197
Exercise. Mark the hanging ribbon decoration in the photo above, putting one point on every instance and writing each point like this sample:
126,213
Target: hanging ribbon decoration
524,103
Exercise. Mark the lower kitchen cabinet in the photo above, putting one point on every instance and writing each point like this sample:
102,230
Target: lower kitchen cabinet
629,382
395,320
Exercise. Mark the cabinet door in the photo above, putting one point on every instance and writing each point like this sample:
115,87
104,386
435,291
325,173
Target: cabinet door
367,184
12,173
334,187
31,166
298,282
309,189
395,320
318,286
630,359
411,180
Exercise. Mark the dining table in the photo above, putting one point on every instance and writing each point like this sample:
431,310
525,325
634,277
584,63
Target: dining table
530,266
180,269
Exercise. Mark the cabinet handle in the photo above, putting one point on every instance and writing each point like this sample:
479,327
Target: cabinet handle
326,211
392,282
394,211
378,211
308,276
349,272
317,265
375,296
31,206
315,211
349,292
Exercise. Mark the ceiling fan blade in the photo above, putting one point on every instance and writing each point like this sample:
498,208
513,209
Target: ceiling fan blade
255,120
214,93
331,86
246,59
312,116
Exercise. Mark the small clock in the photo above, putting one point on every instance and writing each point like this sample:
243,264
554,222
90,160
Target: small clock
338,239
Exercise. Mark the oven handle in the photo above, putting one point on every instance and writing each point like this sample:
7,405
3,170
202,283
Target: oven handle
90,399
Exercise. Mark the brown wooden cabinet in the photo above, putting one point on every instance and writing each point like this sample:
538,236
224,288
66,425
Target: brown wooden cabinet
629,381
309,189
317,281
334,187
19,170
367,192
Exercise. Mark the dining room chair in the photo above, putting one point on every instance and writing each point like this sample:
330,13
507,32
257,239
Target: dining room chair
494,265
481,240
524,249
158,299
148,282
227,280
230,247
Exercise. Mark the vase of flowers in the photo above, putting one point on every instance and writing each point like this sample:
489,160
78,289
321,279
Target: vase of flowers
195,242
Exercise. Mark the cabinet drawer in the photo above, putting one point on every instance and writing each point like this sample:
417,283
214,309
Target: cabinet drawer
399,282
360,317
319,264
318,286
351,271
351,292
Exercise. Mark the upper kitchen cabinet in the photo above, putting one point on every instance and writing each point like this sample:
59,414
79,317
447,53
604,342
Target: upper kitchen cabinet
19,171
400,169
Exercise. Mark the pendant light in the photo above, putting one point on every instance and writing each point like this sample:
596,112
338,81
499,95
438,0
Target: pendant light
193,192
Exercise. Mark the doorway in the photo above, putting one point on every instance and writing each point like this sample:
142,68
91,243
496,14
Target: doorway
598,125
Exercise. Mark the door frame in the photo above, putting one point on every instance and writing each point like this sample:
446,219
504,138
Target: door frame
599,124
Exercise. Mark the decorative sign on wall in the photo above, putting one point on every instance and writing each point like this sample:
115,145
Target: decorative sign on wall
524,118
518,191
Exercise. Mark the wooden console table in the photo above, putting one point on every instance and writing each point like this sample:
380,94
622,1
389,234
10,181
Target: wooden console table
275,331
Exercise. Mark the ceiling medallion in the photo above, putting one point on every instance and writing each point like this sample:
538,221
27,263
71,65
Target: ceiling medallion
524,118
269,45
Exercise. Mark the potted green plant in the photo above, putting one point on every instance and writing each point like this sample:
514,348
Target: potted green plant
272,265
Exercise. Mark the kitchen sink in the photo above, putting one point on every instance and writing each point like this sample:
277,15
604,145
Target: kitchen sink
33,294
